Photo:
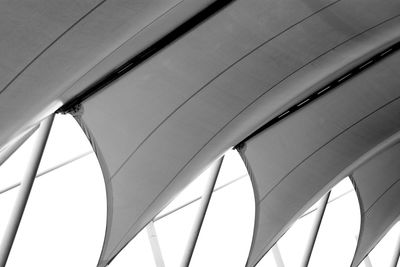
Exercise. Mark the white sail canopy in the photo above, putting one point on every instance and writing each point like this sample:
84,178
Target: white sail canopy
147,126
48,46
294,162
159,125
153,128
378,187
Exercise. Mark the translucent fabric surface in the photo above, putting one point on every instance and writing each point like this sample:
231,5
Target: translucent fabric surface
297,160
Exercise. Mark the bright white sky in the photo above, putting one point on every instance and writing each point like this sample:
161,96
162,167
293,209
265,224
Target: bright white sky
64,222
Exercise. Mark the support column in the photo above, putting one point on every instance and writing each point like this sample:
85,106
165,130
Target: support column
315,229
26,186
277,256
367,262
155,245
10,187
11,148
159,217
396,254
205,200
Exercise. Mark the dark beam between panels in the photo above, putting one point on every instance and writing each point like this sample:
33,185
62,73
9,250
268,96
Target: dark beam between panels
325,89
138,59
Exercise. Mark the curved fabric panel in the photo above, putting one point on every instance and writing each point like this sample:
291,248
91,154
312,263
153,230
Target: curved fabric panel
184,69
137,135
149,127
293,162
27,29
49,45
378,187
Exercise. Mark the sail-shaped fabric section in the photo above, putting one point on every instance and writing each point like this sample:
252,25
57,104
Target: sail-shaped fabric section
378,187
28,30
48,45
295,161
151,129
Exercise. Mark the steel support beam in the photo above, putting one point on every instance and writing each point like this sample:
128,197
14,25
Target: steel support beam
159,217
10,187
315,229
26,186
205,200
277,256
8,150
368,262
396,254
330,201
155,245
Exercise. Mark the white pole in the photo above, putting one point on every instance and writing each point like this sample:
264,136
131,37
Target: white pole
315,229
26,185
368,262
159,217
10,187
277,256
155,245
205,200
396,254
6,152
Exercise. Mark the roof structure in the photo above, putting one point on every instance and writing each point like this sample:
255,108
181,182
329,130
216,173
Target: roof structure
306,91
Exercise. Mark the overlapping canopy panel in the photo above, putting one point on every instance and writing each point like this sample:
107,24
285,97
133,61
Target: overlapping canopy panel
160,124
294,161
48,46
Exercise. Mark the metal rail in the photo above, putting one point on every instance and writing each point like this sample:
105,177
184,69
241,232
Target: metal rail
8,188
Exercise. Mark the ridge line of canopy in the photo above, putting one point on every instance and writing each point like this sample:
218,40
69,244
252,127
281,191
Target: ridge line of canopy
148,52
324,90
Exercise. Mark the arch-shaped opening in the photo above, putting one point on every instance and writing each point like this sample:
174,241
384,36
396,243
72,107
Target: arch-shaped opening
66,211
336,237
226,231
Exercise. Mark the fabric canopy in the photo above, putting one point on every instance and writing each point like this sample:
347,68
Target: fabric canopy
48,46
378,190
294,162
159,125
